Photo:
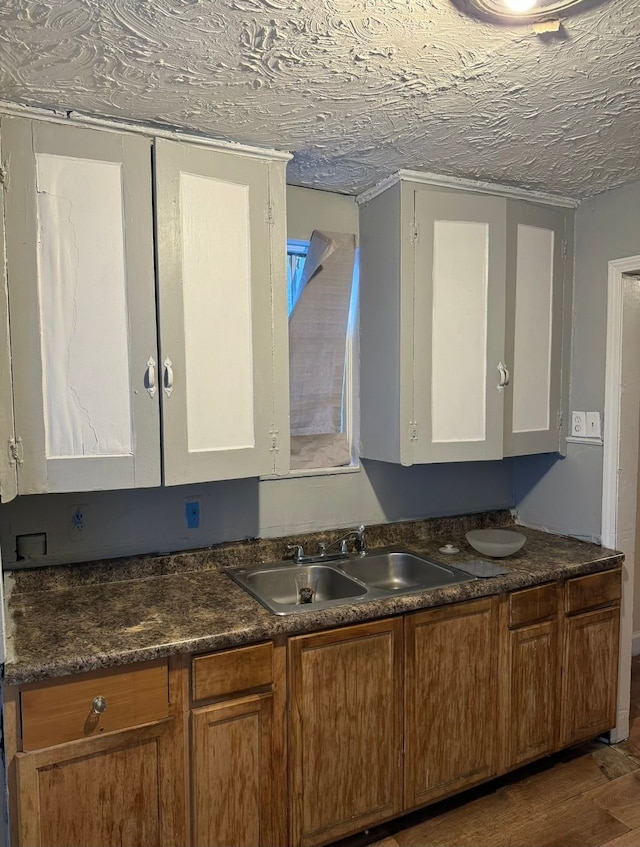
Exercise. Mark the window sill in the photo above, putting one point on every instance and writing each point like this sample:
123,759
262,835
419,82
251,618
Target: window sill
304,472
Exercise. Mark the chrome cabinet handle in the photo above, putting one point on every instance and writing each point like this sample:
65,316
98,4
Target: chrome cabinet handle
504,377
151,377
99,705
168,376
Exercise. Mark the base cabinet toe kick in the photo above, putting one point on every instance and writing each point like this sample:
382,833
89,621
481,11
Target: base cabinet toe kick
308,739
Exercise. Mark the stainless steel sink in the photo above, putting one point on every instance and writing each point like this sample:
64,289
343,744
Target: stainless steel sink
401,571
286,588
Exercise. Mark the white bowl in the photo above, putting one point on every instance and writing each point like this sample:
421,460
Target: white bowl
496,542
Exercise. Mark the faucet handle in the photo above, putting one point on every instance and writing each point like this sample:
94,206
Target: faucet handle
298,551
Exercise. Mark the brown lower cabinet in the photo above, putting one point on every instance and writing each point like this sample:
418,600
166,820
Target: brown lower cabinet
305,740
237,754
113,789
97,760
530,676
533,663
345,730
589,685
231,755
450,742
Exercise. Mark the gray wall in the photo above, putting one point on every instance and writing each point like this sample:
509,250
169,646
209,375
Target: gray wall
127,522
564,495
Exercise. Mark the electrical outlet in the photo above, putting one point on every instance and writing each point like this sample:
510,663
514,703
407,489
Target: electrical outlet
77,521
192,514
579,424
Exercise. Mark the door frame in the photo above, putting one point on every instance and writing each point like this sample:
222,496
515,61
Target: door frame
620,484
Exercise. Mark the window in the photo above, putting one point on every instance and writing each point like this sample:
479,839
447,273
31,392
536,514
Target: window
322,301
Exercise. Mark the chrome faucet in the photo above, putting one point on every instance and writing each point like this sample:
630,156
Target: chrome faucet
359,541
324,554
298,553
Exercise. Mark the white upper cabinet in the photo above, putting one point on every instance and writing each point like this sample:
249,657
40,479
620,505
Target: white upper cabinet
461,325
221,270
79,245
90,376
537,260
459,291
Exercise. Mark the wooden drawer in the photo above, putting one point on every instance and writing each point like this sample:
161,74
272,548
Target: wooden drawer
57,711
533,604
592,591
232,671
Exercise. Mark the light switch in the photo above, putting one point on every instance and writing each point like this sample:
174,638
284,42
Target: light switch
594,427
579,424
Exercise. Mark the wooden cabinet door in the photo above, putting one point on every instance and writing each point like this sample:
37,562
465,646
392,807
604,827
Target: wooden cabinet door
115,789
451,699
221,257
80,270
536,263
233,773
533,688
345,730
590,673
458,325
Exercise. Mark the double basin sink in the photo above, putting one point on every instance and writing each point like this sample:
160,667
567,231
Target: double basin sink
287,588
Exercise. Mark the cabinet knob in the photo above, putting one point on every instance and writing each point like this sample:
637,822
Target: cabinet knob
99,705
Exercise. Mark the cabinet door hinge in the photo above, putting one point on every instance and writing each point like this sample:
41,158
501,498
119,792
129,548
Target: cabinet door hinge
413,431
560,420
275,440
16,451
415,233
564,251
4,176
270,216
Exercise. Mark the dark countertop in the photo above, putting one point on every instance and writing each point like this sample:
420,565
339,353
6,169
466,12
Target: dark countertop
71,619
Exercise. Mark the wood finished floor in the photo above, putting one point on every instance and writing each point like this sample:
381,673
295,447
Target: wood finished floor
585,797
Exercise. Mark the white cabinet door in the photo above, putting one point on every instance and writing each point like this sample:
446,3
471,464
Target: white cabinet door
81,299
458,317
221,284
536,263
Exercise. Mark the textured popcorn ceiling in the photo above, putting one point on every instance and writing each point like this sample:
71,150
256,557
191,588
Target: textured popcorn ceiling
356,89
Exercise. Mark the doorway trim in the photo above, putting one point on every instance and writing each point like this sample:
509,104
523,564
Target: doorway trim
619,488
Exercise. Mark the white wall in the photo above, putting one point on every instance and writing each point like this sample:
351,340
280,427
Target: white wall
150,520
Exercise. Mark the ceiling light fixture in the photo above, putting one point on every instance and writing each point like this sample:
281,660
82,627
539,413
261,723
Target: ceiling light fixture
517,11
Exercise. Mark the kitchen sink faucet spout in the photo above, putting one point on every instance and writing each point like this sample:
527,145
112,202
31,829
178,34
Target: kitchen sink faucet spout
325,550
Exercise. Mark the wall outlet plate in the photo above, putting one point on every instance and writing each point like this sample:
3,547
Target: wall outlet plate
579,424
192,514
593,425
77,521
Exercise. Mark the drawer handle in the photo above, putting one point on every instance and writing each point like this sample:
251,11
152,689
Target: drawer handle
99,706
